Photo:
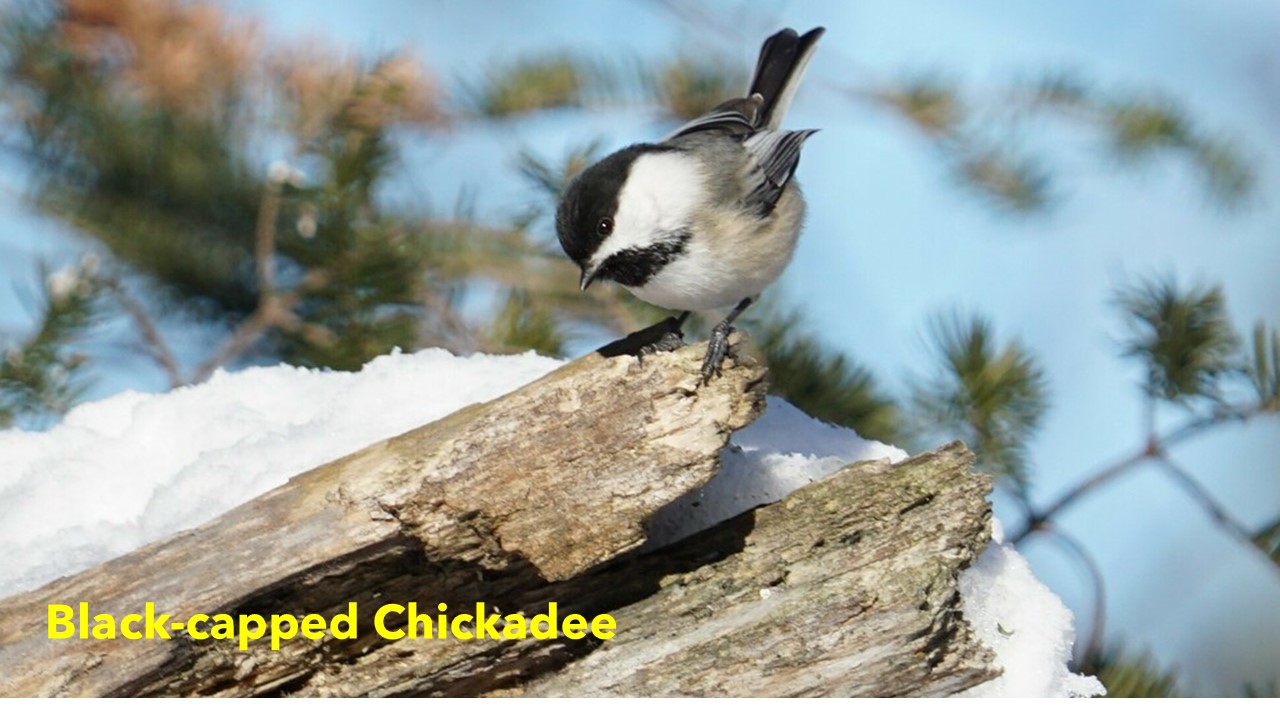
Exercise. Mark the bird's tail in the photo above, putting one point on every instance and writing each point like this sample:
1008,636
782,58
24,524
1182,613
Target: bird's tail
783,58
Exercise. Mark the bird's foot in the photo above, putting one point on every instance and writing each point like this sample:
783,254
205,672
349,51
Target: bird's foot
663,336
717,351
669,341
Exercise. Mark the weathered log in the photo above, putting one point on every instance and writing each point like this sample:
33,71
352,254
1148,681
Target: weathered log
848,587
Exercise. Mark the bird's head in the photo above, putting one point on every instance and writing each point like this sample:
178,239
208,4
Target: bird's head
625,217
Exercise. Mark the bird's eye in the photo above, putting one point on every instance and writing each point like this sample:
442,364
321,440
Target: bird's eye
605,227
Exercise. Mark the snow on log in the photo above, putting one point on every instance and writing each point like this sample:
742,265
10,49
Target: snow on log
846,587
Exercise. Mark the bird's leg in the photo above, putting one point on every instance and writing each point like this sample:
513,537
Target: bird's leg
672,337
718,343
663,336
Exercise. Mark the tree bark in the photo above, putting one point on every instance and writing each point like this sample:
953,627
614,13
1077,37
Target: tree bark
847,587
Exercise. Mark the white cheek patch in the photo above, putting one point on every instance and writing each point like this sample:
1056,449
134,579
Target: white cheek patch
658,198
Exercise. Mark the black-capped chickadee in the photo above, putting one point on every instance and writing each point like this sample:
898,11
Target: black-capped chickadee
708,216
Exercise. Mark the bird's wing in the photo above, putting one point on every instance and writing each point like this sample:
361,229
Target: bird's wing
731,117
776,154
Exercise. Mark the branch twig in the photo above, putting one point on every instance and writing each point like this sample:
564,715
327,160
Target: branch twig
155,345
1215,509
1153,448
265,233
1093,647
274,309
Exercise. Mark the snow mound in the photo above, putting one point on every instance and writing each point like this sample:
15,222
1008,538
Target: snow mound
782,451
1028,627
125,471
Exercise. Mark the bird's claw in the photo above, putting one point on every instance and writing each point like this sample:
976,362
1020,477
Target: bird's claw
717,351
670,340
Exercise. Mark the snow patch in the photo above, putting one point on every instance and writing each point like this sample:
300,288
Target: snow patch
1028,627
780,452
122,472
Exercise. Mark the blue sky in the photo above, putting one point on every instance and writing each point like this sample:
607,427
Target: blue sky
890,239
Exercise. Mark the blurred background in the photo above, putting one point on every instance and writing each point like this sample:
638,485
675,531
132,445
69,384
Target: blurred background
1050,230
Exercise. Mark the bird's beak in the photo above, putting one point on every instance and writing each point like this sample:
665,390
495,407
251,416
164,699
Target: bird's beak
588,275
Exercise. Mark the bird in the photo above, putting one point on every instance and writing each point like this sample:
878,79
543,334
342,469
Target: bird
706,217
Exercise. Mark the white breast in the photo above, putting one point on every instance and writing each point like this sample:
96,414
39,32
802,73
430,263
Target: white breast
729,257
699,280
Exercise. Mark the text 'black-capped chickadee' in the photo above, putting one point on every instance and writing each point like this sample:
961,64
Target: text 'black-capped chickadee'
708,216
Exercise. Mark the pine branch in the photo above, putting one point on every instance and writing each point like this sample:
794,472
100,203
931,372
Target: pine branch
549,180
1126,675
38,376
1268,540
524,324
1134,126
824,383
1184,338
1189,347
992,398
1264,372
528,85
1153,448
